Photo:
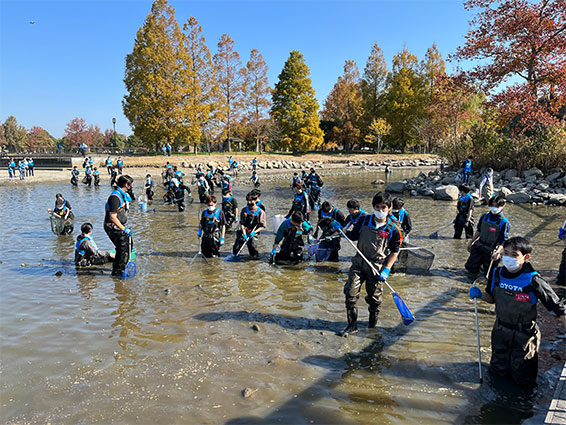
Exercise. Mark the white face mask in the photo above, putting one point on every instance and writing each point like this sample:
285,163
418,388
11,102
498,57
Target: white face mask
495,210
211,207
380,215
510,263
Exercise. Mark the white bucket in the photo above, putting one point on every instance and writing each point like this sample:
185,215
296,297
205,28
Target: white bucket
277,220
143,206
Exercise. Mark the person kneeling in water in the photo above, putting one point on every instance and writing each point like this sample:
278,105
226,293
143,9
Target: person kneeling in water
86,251
291,232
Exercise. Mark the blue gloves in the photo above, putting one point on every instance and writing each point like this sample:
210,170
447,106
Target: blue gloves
127,231
475,292
384,274
562,233
236,220
252,234
245,237
274,251
336,226
299,232
221,241
199,233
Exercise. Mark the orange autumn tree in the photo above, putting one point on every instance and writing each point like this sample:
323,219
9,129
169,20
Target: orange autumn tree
521,43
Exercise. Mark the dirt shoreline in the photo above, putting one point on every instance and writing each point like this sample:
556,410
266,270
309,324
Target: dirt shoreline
270,166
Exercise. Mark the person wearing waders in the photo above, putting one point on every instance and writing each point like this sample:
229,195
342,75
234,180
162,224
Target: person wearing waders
290,234
148,185
63,211
178,190
203,189
96,176
403,217
300,202
254,179
252,222
314,183
356,213
492,231
330,221
86,251
379,240
229,207
109,165
115,220
113,177
88,176
120,165
486,186
467,170
212,227
516,288
464,219
75,176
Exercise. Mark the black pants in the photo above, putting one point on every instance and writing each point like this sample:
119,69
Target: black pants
120,170
480,257
31,172
561,279
210,245
109,170
252,244
149,193
359,273
121,242
460,225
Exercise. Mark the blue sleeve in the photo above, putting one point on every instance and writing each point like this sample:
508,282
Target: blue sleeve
504,235
306,226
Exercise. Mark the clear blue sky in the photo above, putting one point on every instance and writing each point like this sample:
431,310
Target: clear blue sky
70,62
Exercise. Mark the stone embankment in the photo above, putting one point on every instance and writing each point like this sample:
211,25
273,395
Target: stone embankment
530,186
274,170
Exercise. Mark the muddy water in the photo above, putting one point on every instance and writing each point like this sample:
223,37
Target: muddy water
178,344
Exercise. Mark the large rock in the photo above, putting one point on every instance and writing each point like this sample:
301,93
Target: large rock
505,191
533,172
446,193
396,187
557,199
554,177
509,174
519,197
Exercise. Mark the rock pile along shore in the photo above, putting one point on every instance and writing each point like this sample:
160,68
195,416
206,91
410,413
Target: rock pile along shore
530,186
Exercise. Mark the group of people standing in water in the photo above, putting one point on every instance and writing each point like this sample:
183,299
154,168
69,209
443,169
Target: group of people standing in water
514,286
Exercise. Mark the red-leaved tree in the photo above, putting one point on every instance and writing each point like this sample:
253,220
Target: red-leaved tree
76,132
521,43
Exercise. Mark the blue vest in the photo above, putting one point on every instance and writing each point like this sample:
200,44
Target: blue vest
120,163
468,166
331,214
30,163
108,162
402,213
122,196
78,245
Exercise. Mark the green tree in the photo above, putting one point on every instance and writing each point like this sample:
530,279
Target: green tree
344,107
231,75
295,108
206,103
159,79
373,85
258,95
378,128
14,134
406,99
432,67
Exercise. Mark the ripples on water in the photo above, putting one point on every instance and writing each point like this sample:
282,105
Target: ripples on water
177,344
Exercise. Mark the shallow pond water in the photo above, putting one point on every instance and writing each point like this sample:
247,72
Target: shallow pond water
177,344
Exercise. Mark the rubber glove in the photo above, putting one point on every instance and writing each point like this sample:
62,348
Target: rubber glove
274,252
245,237
199,233
236,220
221,241
475,292
299,232
337,226
384,274
127,231
252,234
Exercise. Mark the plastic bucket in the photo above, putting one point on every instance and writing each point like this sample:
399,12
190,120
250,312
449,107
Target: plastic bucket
277,220
143,206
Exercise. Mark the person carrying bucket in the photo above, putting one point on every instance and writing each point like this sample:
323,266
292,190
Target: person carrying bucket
379,240
516,289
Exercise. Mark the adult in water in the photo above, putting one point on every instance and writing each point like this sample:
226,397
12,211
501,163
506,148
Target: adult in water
212,228
86,251
115,221
379,240
252,221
